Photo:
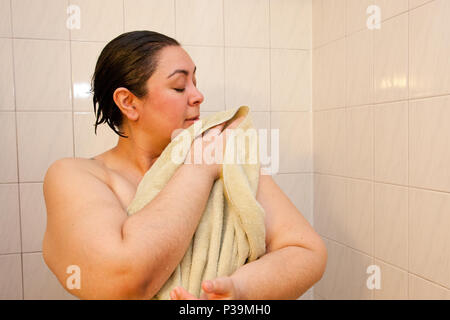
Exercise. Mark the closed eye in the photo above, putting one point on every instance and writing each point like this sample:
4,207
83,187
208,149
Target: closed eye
179,90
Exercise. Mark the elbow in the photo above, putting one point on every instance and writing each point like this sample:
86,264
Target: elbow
321,255
101,281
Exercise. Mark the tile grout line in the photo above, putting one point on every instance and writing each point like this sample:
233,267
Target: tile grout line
224,58
379,182
372,108
270,81
71,89
407,162
17,145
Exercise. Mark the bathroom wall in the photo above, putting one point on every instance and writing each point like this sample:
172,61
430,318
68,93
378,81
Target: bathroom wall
381,115
252,52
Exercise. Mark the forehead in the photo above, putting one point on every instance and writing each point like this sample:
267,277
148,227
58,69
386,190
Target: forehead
172,58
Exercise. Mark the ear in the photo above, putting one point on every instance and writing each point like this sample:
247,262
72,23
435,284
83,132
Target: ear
127,103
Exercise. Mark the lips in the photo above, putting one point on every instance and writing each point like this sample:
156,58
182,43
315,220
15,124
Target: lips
191,119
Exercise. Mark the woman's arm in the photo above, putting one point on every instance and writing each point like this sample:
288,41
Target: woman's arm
119,257
296,255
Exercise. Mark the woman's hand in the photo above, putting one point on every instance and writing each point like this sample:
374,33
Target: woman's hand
214,139
223,288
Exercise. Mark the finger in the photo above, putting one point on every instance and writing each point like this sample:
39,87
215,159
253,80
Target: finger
183,294
235,122
220,286
215,130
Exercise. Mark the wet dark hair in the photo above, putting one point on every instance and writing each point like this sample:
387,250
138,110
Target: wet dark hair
127,61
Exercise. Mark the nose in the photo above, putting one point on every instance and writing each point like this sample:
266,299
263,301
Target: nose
197,97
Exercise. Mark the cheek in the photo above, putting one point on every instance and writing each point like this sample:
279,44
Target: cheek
166,113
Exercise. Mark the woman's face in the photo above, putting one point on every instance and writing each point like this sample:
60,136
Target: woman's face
172,96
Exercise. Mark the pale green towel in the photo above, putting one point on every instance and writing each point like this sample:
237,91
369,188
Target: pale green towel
231,231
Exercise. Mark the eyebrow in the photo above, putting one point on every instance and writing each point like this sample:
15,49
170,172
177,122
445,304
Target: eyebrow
185,72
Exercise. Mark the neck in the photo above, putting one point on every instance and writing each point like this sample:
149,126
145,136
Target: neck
136,156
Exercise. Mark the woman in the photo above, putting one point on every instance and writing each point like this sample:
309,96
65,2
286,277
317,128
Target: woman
145,87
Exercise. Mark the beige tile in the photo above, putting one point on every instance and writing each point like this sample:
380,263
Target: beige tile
251,16
416,3
393,284
391,60
359,136
33,216
290,80
41,19
101,20
328,21
359,68
295,140
391,143
429,143
421,289
8,160
298,188
429,47
5,22
209,75
152,15
247,78
39,282
87,143
329,141
357,16
291,23
328,65
43,78
429,239
359,219
330,212
84,59
391,224
11,285
391,8
334,284
43,137
6,76
199,22
9,219
356,275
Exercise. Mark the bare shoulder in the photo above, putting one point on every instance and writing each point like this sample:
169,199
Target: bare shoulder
70,166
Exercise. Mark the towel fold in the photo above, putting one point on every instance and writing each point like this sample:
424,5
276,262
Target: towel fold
231,231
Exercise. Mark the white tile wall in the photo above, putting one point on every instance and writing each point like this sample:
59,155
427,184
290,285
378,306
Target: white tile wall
389,206
6,76
247,78
251,16
40,19
9,219
152,15
291,24
42,79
